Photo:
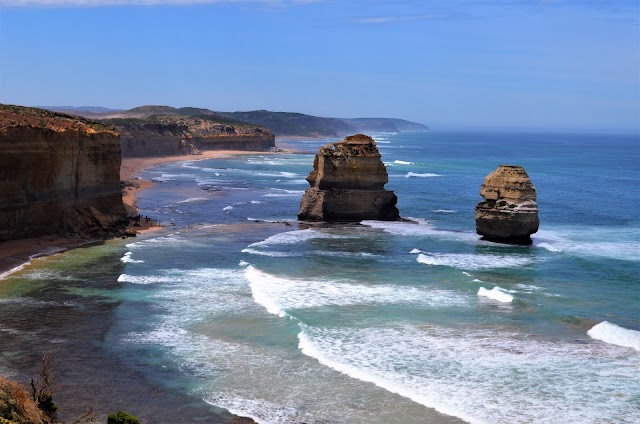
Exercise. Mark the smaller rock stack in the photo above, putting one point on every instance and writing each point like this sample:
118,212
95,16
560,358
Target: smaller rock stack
509,212
347,184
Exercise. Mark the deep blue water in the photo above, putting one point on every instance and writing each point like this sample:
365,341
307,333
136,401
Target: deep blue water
239,305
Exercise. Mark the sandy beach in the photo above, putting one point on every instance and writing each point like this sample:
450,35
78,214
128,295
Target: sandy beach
15,253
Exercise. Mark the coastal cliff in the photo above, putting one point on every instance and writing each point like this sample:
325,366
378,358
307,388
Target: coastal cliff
165,135
509,212
347,184
59,174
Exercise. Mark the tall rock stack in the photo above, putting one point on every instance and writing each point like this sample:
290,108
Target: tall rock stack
347,184
509,212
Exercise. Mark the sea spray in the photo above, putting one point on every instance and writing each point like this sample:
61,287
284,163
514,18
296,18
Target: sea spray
616,335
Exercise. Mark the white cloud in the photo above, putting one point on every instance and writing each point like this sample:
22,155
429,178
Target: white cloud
98,3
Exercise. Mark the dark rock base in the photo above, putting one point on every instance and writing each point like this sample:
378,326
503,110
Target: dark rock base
505,227
348,205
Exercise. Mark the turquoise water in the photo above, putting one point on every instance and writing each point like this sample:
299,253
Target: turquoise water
238,305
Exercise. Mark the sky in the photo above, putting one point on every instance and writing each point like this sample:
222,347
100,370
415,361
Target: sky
452,64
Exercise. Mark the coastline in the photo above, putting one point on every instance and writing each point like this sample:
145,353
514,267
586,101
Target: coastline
16,254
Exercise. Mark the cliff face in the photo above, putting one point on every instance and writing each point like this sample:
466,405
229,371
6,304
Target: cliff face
58,174
509,213
347,184
165,135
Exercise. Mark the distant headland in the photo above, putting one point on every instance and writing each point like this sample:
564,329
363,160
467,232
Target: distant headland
279,123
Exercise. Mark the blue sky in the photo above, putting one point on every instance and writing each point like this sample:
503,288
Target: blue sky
511,64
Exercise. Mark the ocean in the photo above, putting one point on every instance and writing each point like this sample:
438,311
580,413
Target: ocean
237,306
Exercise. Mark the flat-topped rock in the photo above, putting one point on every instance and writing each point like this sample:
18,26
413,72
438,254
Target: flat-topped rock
509,212
347,184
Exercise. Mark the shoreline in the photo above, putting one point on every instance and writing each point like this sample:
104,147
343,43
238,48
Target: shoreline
16,254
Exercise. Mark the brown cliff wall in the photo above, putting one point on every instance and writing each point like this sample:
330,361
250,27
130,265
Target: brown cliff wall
178,135
58,174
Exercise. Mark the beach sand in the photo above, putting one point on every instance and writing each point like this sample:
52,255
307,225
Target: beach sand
15,253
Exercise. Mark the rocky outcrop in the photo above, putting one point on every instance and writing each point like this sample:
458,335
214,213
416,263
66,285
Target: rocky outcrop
509,212
58,174
347,184
166,135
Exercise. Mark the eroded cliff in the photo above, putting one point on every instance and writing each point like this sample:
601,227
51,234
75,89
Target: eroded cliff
166,135
58,174
347,184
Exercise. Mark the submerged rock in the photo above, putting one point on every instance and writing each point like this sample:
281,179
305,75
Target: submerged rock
509,212
347,184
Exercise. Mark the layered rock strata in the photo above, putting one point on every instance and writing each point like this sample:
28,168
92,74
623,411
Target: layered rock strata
347,184
160,135
509,212
58,174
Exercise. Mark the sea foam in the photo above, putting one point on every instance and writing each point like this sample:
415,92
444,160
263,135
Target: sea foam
425,175
127,259
279,295
192,199
607,242
484,376
495,293
470,262
421,229
616,335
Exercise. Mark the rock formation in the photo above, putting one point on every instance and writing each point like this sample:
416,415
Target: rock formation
347,184
58,174
509,212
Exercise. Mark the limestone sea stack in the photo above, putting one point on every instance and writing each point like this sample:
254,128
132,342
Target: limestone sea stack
347,184
509,212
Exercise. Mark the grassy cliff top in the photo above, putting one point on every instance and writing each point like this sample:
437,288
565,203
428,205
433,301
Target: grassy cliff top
12,116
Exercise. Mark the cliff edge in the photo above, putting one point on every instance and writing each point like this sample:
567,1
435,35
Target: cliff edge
59,174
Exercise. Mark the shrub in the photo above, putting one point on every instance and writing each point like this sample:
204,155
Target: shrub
121,417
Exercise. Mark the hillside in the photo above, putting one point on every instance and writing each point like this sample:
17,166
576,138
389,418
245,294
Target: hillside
386,125
279,123
287,123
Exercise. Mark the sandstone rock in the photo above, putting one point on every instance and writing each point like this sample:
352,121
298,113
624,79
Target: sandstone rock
347,184
509,213
58,174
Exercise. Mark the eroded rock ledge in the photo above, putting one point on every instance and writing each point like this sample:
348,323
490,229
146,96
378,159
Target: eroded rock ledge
509,212
347,184
58,174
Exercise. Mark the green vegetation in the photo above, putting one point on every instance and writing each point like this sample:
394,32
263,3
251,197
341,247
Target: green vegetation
280,123
285,123
121,417
179,120
43,117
